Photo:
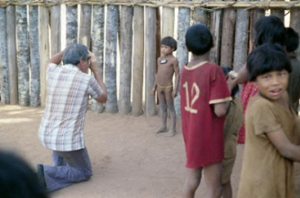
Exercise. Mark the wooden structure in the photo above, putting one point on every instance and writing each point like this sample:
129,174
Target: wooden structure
124,35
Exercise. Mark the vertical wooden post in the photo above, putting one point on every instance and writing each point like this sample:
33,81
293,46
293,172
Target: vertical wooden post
85,25
72,24
216,31
255,15
126,55
44,48
4,76
199,15
34,57
227,44
138,61
55,29
241,39
11,52
182,53
168,16
295,24
98,46
150,60
111,58
22,55
279,12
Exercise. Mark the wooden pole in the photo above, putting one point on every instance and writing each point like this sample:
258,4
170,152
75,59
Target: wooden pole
22,55
34,57
11,52
138,61
199,15
168,18
72,24
216,30
182,53
4,74
85,25
279,12
43,26
111,58
295,24
126,55
55,29
150,60
98,46
229,17
255,15
241,38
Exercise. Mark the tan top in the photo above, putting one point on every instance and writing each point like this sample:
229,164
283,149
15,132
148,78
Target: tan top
265,173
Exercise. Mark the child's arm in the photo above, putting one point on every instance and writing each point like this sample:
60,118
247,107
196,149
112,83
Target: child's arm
177,77
240,78
284,146
154,86
221,109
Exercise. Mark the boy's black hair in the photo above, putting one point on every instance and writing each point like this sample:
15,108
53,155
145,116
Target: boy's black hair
169,41
291,40
226,70
267,58
269,29
198,39
17,178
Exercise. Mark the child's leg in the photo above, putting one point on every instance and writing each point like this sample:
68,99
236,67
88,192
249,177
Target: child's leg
212,176
163,110
192,182
227,190
170,103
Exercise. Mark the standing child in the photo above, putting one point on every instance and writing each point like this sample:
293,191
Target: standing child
291,44
167,67
271,128
204,101
233,122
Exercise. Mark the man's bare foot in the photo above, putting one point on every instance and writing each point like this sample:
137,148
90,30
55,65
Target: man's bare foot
171,132
161,130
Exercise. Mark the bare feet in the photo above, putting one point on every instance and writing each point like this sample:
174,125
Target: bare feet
171,132
161,130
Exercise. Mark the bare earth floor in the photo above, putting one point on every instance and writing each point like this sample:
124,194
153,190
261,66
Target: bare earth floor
129,160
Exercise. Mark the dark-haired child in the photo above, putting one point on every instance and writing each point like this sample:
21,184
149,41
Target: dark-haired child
204,102
271,128
268,29
233,122
291,44
166,91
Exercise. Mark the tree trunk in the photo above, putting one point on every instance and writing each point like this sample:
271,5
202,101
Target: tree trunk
85,25
43,26
55,30
138,61
111,58
126,55
4,75
72,24
241,39
98,46
182,53
229,17
150,60
199,15
295,24
22,55
11,52
216,30
168,18
34,57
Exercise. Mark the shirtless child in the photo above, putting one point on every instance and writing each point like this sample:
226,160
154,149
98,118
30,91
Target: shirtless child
167,66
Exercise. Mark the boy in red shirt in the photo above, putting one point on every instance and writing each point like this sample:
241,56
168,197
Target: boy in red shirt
204,102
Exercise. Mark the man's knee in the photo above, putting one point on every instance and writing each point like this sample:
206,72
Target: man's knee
88,174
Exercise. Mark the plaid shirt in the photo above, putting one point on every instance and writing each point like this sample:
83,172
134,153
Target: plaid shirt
68,91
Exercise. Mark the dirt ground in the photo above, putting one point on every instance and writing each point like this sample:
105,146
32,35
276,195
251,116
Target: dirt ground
129,160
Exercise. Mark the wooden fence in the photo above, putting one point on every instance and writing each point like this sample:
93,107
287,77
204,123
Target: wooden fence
124,36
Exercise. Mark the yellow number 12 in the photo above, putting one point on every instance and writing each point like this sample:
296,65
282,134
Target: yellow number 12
195,92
